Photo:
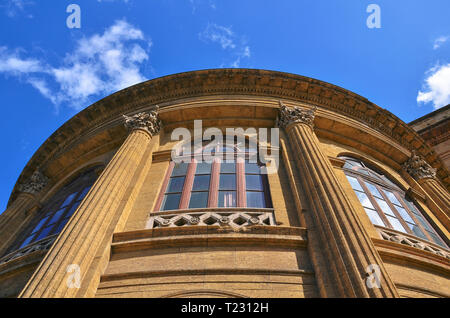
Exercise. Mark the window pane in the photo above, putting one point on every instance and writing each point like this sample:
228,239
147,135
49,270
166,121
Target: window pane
395,224
354,183
68,199
61,225
83,193
175,184
72,209
56,216
417,231
373,190
256,199
38,227
201,182
374,217
180,169
364,199
436,239
252,168
198,200
384,207
254,182
28,240
404,214
227,199
227,182
392,197
44,233
171,202
203,168
228,167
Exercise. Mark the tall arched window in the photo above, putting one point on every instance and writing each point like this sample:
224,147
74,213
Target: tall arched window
385,203
52,218
222,183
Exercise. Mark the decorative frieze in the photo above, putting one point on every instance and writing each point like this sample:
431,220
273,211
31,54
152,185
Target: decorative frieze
34,184
289,115
418,168
235,220
413,242
148,121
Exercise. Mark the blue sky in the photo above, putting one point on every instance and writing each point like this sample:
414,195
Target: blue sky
49,72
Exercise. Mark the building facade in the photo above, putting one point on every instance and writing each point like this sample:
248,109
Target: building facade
339,199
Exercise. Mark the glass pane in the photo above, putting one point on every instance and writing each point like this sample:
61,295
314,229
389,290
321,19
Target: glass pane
83,193
72,209
373,190
252,168
392,197
255,200
374,217
404,214
198,200
44,233
364,199
175,184
68,199
180,169
56,216
417,231
227,182
254,182
203,168
384,207
395,224
424,223
28,240
201,182
171,202
436,239
228,167
227,199
38,227
355,184
61,225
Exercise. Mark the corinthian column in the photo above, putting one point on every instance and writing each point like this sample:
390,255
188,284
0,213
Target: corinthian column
343,249
73,265
20,211
425,175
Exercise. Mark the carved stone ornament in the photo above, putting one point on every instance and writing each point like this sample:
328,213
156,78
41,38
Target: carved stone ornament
148,121
418,168
34,184
289,115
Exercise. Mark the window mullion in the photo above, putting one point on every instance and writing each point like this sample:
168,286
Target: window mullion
240,183
164,187
214,184
187,187
374,202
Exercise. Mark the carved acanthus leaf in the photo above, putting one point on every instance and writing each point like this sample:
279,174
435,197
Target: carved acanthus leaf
289,115
148,121
418,168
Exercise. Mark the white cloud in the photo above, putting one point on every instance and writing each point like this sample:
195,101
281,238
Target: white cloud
13,8
228,40
99,65
436,87
439,41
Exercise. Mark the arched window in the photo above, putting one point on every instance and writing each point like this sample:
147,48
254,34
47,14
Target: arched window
239,182
52,218
385,203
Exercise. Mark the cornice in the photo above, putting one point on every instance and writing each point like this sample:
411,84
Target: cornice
252,82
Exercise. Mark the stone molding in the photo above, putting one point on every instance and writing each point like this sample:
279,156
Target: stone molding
148,121
418,168
34,184
290,115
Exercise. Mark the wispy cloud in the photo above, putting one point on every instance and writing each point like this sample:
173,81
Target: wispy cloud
439,41
195,3
229,41
99,64
13,8
436,88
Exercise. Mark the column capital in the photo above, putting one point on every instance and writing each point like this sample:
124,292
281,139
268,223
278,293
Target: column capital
289,115
34,184
418,168
148,121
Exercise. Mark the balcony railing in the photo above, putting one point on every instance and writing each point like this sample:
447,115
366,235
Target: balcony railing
41,245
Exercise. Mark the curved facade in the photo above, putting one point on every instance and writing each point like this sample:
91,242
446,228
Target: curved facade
343,199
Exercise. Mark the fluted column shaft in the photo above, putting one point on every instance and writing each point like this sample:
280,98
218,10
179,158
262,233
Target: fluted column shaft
94,221
12,219
346,246
438,193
